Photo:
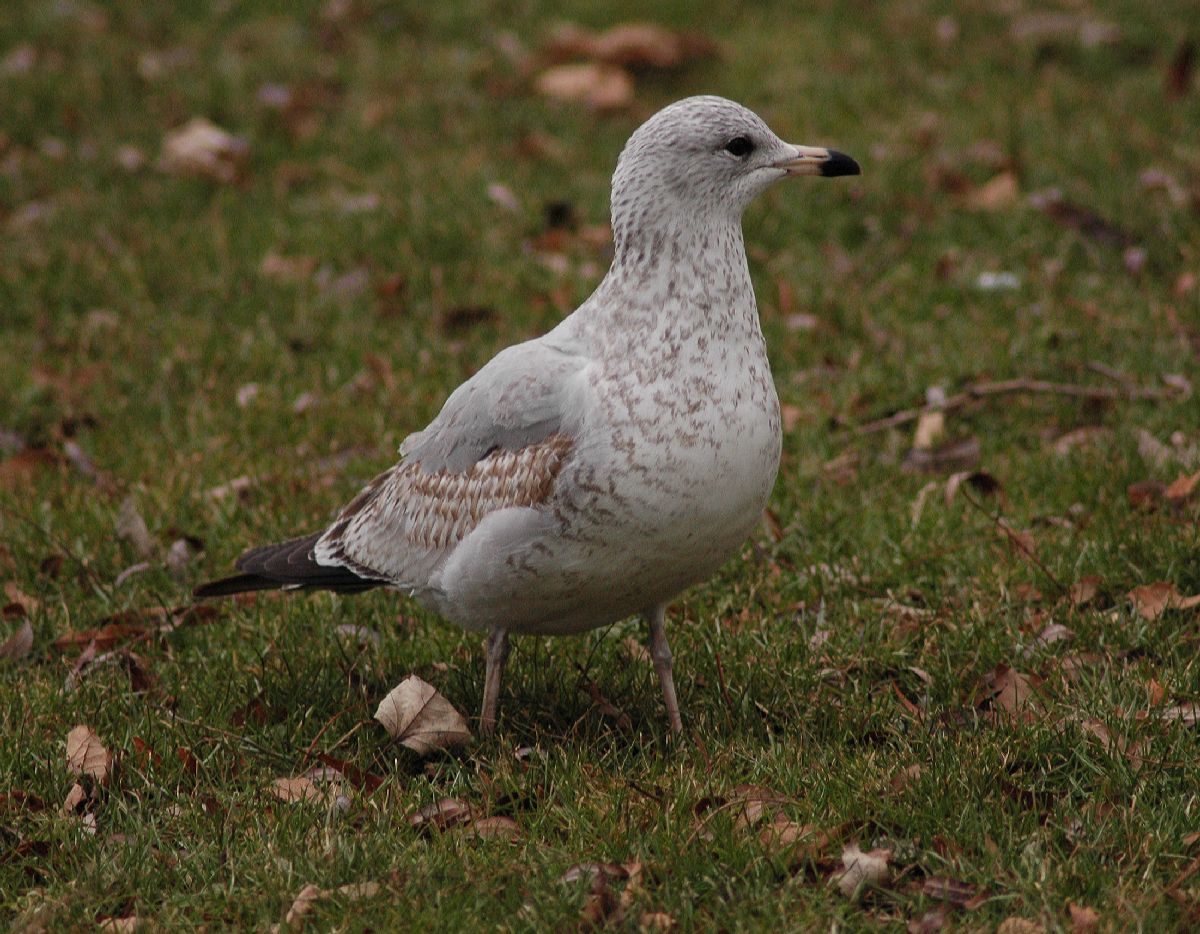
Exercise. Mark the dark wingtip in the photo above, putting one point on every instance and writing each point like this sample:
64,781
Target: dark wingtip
839,163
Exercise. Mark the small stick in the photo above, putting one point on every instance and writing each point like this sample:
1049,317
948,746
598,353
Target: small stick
976,391
1016,540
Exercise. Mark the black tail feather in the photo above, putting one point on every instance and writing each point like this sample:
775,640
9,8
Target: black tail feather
287,565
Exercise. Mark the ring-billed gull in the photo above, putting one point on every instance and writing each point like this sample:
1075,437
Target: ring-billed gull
599,470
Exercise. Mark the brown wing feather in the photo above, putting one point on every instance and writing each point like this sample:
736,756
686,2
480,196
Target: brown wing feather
406,520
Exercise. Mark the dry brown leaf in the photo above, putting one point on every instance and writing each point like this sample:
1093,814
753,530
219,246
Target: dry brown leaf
752,803
656,921
604,87
1187,714
633,45
124,925
1000,192
322,786
862,870
86,754
17,596
1152,600
1084,920
200,147
75,797
493,828
301,905
1182,488
1011,692
420,718
1015,925
19,644
1084,590
441,814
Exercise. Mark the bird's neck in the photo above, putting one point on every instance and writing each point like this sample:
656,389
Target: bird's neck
673,278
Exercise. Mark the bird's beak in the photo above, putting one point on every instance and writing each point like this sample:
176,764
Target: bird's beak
813,160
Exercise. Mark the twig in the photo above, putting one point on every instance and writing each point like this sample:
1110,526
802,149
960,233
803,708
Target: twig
1015,539
1022,384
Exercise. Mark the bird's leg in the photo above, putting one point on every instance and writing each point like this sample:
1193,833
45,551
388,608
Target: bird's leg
660,654
497,655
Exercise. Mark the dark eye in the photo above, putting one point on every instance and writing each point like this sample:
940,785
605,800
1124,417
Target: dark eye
739,146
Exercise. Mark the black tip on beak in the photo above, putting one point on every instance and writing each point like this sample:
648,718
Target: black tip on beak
839,164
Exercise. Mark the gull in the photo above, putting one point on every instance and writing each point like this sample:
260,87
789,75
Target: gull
601,469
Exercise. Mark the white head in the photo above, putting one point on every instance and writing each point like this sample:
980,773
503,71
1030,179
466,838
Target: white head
705,158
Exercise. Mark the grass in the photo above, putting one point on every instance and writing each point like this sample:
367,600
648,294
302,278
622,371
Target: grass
133,308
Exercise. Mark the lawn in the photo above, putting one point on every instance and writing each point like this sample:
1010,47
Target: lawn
962,641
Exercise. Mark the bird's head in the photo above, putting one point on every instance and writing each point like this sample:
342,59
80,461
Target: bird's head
707,158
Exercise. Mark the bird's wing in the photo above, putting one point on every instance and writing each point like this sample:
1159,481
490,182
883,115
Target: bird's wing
499,441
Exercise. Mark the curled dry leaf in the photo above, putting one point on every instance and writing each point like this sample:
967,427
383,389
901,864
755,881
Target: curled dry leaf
441,814
420,718
493,828
200,147
86,754
862,870
1152,600
1182,488
604,87
19,644
1010,693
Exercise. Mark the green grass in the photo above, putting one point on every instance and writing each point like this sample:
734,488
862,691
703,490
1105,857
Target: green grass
132,308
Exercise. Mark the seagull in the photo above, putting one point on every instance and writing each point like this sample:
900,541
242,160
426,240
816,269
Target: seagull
599,470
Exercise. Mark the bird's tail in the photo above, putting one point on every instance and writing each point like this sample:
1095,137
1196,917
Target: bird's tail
288,566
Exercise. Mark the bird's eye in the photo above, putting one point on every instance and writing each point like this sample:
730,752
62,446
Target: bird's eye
739,146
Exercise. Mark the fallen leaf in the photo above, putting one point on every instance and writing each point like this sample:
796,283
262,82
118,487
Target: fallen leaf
1182,488
604,87
303,788
1084,590
1186,714
19,644
1080,438
122,925
1015,925
862,871
86,754
286,268
493,828
633,45
1010,692
17,596
953,891
441,814
1084,920
1152,600
998,193
301,905
420,718
656,921
931,922
132,527
200,147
